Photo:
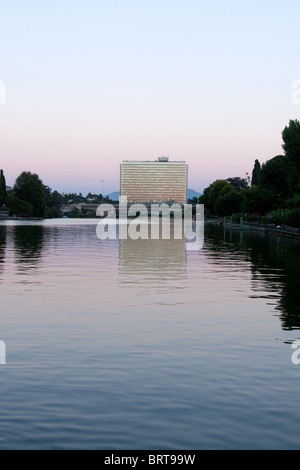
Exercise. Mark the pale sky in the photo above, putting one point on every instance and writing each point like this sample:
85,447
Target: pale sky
92,83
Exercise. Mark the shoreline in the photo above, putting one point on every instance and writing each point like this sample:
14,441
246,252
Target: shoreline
280,230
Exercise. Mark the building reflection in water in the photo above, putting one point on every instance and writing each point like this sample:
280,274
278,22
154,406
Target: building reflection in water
157,263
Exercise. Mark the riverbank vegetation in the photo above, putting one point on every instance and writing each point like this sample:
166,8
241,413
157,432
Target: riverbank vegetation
31,198
271,194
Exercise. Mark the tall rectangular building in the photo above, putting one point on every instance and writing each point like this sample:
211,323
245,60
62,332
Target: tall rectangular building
160,181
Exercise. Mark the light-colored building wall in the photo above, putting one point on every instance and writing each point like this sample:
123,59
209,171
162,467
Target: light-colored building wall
154,182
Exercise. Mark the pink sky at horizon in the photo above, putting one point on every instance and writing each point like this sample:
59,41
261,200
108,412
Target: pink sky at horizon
78,165
210,84
76,175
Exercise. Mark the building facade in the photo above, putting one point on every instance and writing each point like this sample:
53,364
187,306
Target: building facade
160,181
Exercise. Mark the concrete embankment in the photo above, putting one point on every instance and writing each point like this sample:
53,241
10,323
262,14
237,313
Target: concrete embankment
280,230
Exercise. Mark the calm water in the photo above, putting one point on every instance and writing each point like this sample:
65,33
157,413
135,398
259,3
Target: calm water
142,345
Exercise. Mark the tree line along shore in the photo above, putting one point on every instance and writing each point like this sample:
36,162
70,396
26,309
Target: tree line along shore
270,195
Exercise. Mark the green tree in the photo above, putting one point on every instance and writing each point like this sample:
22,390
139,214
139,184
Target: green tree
223,197
256,173
291,142
291,147
94,198
18,207
28,187
53,202
75,198
274,177
228,203
237,183
3,193
257,200
213,192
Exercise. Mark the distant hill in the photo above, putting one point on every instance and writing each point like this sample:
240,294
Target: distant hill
191,194
114,196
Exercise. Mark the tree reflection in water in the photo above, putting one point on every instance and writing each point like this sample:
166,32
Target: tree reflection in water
2,250
29,241
275,268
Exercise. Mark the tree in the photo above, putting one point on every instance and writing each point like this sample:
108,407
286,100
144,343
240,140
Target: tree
228,203
3,193
223,197
237,183
213,192
274,177
53,202
95,198
257,200
28,187
291,147
291,142
75,198
256,173
18,207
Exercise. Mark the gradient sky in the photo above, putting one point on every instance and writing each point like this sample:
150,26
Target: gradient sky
92,83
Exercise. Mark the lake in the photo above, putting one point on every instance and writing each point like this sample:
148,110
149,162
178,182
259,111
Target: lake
123,344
